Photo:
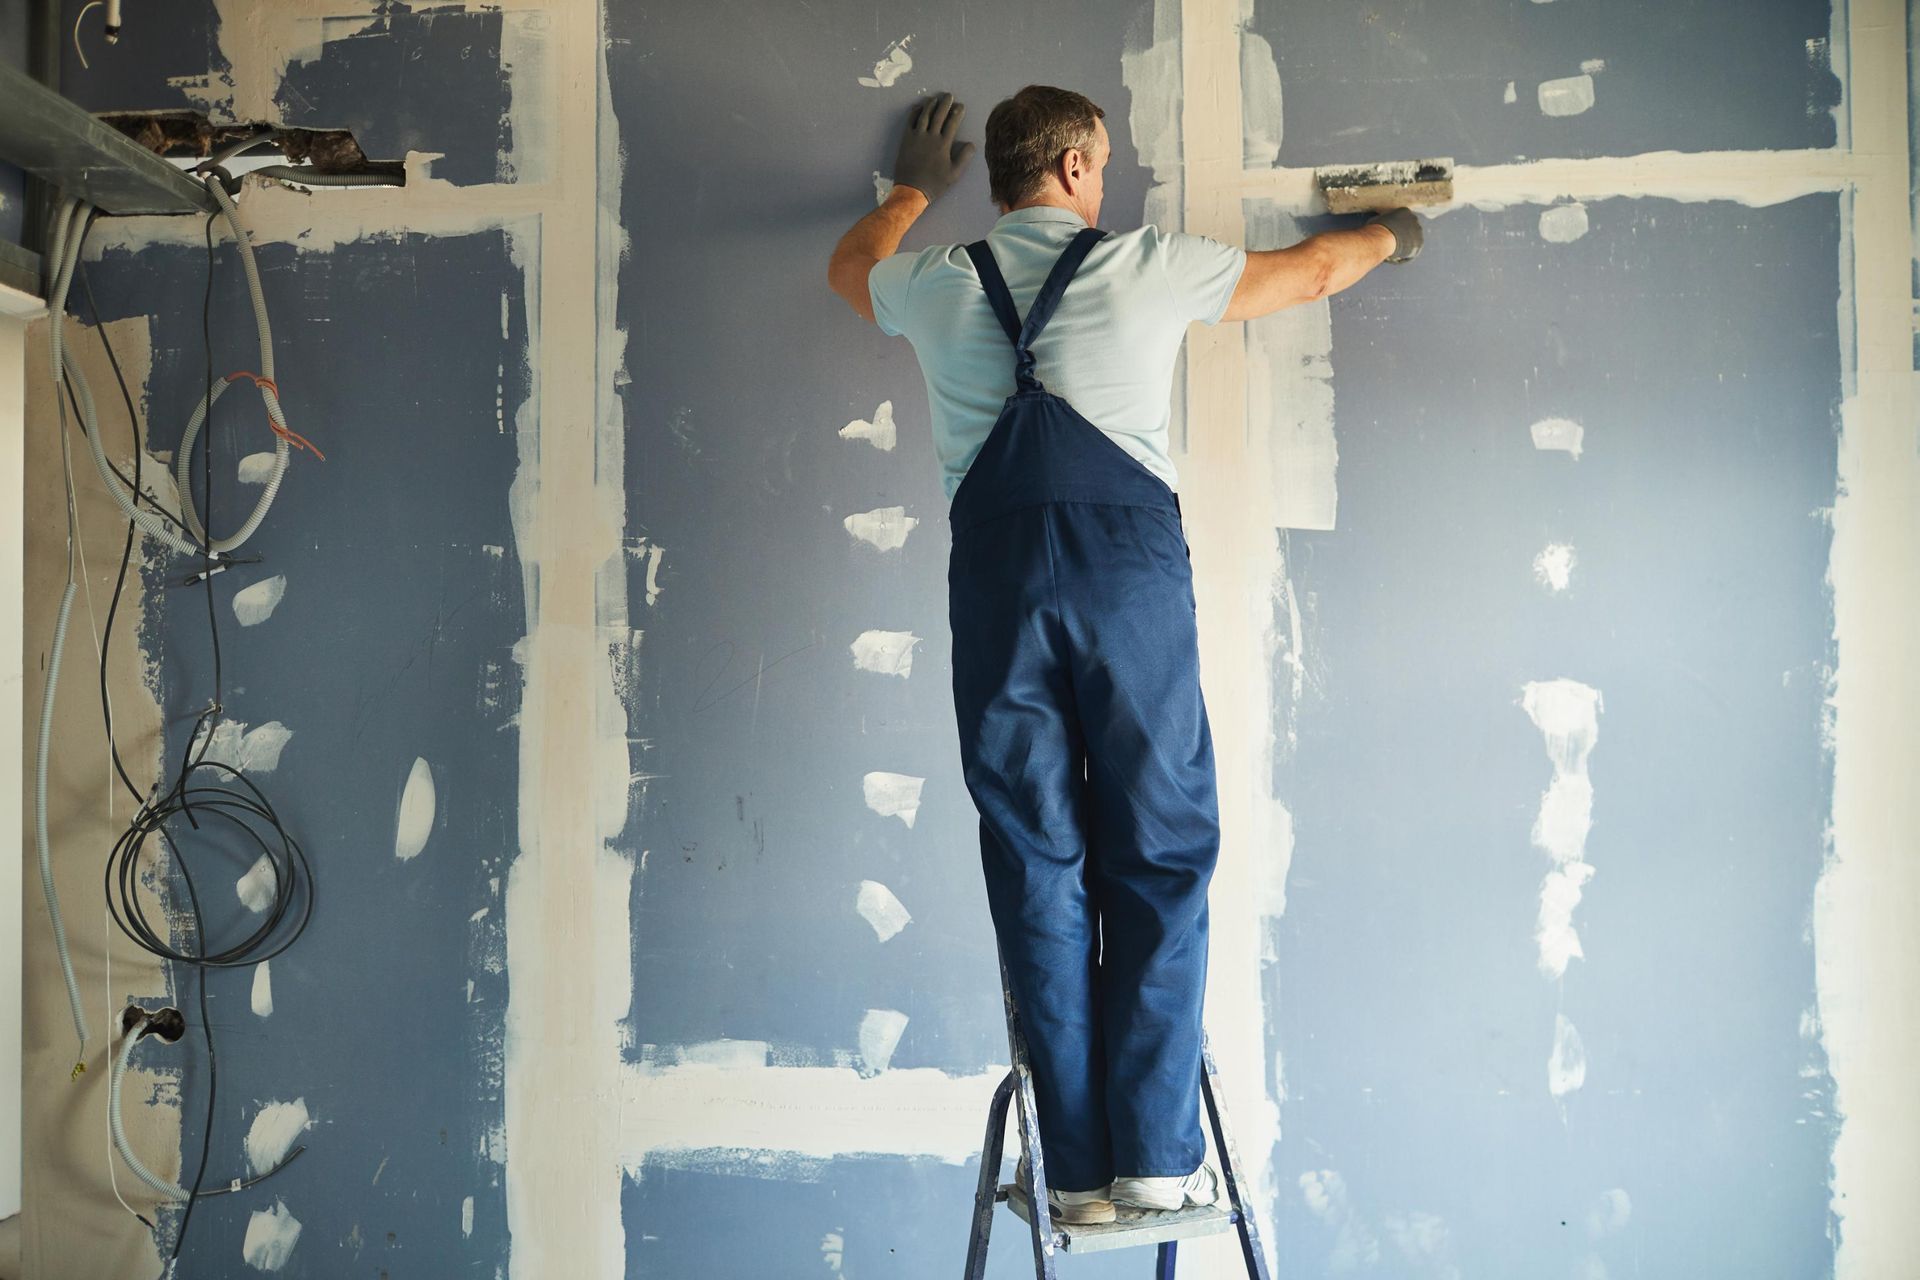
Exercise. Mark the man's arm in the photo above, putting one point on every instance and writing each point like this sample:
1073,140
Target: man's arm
1306,272
929,161
874,237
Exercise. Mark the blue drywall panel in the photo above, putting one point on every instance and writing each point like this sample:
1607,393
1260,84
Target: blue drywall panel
393,641
1401,79
751,150
1698,346
411,80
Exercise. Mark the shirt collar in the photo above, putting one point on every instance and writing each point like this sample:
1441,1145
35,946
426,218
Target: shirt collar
1042,213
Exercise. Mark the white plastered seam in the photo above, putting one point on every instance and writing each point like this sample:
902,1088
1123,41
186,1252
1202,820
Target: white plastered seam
570,985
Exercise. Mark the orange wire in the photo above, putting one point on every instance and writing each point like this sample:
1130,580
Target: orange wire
285,433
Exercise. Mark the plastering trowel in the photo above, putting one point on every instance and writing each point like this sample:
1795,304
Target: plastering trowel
1371,188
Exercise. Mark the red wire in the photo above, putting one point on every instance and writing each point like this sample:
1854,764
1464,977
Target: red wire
286,433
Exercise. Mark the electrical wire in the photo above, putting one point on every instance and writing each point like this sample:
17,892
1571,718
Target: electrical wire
307,175
243,808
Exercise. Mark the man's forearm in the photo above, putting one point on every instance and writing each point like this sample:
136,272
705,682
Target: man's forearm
875,236
1353,253
878,234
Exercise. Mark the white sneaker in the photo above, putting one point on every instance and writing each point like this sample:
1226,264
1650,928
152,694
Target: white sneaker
1201,1187
1077,1208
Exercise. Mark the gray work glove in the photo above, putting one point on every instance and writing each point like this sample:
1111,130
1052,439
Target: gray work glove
1407,236
930,160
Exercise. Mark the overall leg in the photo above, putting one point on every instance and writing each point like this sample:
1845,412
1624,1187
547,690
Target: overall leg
1153,819
1024,760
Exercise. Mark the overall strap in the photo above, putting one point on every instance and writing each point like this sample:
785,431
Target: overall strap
1043,303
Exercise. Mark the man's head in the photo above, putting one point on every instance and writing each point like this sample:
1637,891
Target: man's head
1047,146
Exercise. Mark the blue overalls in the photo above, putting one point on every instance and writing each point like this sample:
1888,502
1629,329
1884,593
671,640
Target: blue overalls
1076,683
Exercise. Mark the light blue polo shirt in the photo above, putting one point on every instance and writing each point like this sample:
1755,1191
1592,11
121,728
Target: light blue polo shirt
1109,350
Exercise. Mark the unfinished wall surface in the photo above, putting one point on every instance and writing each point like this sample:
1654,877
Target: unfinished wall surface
602,666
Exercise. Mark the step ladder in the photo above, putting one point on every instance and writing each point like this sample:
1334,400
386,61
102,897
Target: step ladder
1133,1227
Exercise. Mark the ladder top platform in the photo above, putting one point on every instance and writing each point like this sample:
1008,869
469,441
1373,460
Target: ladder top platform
1131,1227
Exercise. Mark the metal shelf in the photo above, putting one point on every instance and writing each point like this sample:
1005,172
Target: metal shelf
59,143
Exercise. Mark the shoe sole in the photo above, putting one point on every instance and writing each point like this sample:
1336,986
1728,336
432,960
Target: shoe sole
1084,1215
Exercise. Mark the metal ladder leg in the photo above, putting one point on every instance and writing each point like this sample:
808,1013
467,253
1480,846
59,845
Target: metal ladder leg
987,1194
1229,1163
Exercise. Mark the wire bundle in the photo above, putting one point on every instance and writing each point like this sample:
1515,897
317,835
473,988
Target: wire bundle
201,788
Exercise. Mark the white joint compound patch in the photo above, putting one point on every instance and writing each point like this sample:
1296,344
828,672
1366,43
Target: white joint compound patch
271,1235
889,653
884,527
1561,434
1563,223
1553,567
254,604
1570,96
466,1216
256,468
893,64
261,997
882,188
256,888
417,807
879,431
880,1031
1567,713
893,795
1567,1064
274,1131
254,750
877,905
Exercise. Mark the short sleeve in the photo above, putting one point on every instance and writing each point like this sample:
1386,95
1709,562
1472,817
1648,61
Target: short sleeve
887,289
1201,274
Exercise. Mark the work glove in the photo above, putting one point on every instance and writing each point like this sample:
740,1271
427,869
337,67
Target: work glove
930,160
1407,236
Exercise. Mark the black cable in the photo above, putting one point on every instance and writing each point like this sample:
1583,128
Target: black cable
126,549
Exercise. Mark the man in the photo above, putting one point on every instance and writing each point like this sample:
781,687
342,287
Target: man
1076,685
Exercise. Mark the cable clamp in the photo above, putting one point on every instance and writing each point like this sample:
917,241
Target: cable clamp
221,563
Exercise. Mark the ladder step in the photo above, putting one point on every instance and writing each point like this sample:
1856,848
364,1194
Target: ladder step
1132,1227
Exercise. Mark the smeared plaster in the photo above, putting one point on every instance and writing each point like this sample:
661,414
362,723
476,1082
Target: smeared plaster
1567,1063
255,468
417,807
1561,434
890,653
1553,567
879,908
1289,372
1567,713
256,888
880,1031
271,1235
260,997
761,1121
1569,96
274,1130
255,603
878,431
255,750
885,527
1563,223
893,64
893,795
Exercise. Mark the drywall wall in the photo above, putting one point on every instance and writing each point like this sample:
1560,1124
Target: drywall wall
609,643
